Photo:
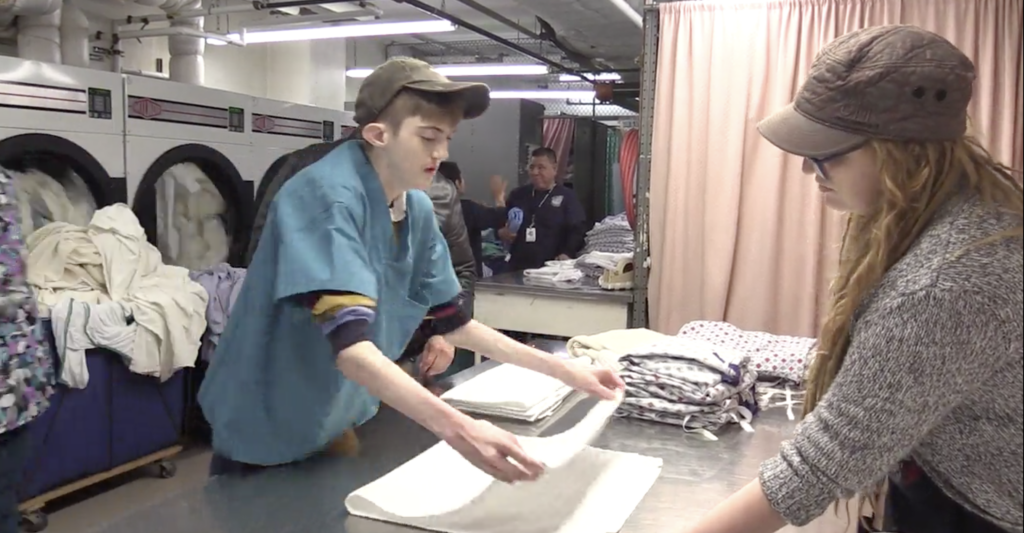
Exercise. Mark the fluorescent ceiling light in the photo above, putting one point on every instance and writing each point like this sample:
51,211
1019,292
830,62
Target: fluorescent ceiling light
343,31
470,70
603,76
544,95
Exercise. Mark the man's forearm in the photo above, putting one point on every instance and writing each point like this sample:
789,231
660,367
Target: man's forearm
364,364
477,337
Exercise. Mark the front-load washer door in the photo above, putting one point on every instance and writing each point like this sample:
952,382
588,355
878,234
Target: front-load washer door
195,207
56,180
280,171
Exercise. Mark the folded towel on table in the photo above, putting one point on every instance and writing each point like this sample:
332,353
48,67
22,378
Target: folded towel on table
509,391
610,346
584,490
555,271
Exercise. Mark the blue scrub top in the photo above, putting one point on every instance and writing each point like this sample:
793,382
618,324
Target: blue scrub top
273,393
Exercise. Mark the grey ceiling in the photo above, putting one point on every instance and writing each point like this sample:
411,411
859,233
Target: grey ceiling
595,29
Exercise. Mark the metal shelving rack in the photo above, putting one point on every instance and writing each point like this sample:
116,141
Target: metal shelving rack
648,81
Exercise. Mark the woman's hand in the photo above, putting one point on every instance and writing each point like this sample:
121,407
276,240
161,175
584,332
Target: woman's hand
603,383
493,450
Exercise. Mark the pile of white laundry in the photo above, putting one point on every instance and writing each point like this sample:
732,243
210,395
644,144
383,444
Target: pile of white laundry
688,383
43,199
190,213
612,235
105,286
512,392
555,272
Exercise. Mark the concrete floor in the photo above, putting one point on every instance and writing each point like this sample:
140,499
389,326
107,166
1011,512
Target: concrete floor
105,501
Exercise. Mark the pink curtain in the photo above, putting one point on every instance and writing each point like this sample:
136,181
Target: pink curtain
559,134
629,156
737,232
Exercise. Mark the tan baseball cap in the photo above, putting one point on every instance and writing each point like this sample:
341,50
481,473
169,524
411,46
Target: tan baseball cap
396,74
893,82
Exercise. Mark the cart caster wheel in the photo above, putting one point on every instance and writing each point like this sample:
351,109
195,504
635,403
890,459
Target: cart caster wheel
167,469
34,522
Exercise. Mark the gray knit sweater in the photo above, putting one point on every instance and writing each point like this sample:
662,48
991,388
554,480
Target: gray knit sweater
934,372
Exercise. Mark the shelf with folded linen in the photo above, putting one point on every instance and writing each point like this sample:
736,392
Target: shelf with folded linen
512,392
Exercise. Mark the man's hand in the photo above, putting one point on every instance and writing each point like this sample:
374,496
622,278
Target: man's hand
562,257
506,235
498,188
493,450
595,381
437,356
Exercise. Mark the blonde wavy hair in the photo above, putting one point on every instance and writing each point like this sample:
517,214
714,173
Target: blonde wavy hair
918,178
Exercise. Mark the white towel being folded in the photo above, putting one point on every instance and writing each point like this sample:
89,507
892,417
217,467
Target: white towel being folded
509,391
585,490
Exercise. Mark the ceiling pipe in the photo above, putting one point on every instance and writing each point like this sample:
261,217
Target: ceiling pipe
172,31
295,20
630,13
484,10
239,8
441,14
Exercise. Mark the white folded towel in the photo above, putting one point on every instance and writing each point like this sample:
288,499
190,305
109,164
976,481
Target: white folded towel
509,391
584,490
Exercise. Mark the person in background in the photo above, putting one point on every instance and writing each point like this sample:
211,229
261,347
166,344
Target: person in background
478,217
435,354
350,262
26,366
915,390
554,223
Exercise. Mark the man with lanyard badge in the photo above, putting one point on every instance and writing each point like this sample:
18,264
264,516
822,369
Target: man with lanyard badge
554,223
350,262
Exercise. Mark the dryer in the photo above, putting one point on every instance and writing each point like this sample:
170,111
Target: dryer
280,128
61,135
190,178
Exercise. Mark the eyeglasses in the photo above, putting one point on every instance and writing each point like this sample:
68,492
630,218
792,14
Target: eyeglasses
819,163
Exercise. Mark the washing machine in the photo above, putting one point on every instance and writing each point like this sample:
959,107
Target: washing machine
190,175
280,128
61,137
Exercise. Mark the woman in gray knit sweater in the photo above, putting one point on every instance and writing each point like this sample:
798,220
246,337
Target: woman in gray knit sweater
916,391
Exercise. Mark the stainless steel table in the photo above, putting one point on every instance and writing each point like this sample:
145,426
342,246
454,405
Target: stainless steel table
309,498
512,302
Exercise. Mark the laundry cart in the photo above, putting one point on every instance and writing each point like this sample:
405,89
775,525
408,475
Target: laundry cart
119,422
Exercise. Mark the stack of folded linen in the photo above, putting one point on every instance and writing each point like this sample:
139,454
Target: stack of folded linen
612,235
509,391
780,361
689,383
593,264
675,380
555,272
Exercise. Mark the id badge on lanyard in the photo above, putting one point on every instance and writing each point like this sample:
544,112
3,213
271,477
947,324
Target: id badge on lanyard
531,231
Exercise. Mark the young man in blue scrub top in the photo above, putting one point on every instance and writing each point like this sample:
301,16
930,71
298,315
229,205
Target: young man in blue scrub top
350,262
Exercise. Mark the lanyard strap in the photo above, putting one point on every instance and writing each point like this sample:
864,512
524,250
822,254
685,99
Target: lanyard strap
533,214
